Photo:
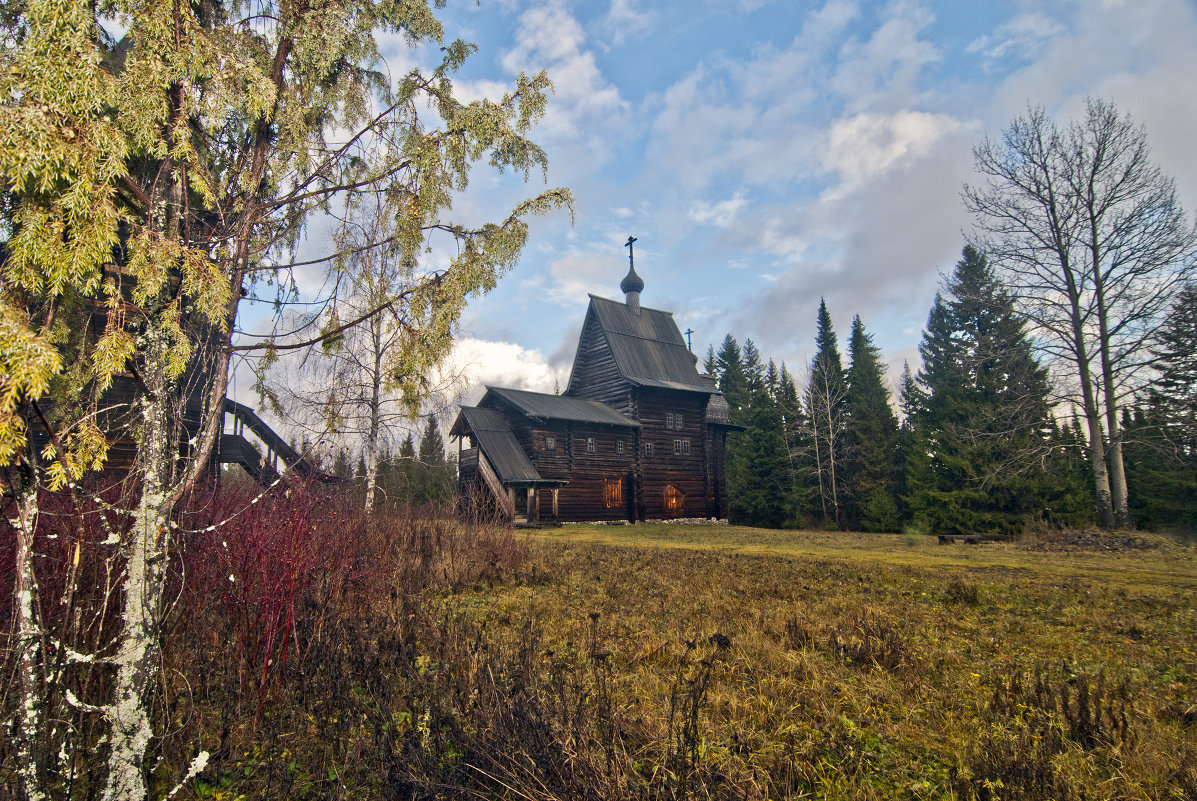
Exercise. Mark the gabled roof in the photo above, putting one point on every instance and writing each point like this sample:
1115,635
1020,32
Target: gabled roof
492,434
543,406
648,347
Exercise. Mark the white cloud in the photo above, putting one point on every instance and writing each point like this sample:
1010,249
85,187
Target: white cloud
627,20
862,147
503,364
578,272
1025,36
887,67
719,214
549,37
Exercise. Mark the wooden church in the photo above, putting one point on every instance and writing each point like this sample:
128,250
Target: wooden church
639,434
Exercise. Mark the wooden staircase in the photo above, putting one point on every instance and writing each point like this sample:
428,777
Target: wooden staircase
264,468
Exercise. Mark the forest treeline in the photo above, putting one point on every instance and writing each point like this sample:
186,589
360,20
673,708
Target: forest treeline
974,441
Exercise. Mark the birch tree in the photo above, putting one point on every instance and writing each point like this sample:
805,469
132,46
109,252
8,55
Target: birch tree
826,394
1088,232
151,183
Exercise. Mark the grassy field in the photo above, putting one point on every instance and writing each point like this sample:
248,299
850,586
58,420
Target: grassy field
717,661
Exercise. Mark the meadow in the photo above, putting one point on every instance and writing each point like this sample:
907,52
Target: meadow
675,661
778,664
316,653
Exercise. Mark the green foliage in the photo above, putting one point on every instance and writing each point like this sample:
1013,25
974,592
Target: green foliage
826,396
1174,392
1162,477
871,439
759,495
164,172
979,411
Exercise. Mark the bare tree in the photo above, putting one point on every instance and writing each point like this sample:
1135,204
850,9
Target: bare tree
352,387
824,394
1089,235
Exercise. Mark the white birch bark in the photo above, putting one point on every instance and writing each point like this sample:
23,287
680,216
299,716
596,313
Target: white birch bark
31,641
147,549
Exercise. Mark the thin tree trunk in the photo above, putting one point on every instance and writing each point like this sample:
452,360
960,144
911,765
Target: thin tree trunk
146,552
818,460
31,641
1117,477
375,403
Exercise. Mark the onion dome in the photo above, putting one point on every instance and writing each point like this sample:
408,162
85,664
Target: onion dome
631,282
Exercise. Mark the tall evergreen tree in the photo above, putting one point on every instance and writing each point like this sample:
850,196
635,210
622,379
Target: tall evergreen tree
732,383
826,392
1161,474
710,365
1174,393
981,419
432,447
795,431
871,438
763,485
754,370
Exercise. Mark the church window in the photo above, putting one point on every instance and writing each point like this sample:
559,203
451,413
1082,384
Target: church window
591,447
675,500
669,419
613,492
648,450
550,442
619,447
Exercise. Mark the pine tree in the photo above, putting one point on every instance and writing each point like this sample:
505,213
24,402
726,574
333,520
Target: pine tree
709,365
795,430
732,382
1162,476
760,499
754,371
432,447
981,417
871,438
1174,393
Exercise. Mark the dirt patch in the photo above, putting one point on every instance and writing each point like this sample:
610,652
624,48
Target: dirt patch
1090,540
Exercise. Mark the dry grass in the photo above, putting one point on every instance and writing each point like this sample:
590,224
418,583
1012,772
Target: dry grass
873,666
411,656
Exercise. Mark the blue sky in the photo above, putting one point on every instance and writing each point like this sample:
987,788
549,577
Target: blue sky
766,154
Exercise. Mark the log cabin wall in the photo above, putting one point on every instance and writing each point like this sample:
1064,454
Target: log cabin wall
600,480
595,374
678,459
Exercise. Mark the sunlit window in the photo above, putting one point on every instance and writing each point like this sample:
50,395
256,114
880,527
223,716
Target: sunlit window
675,501
613,492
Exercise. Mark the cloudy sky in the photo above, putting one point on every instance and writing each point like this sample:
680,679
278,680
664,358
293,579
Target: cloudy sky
766,154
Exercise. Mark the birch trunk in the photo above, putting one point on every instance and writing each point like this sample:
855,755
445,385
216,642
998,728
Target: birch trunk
146,550
31,640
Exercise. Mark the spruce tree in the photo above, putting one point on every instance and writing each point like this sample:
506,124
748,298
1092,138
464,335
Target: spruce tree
732,382
795,431
754,370
763,477
1174,393
432,447
871,439
1162,476
981,415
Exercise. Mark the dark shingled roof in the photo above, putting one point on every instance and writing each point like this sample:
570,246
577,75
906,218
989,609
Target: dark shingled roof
543,406
648,347
494,437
